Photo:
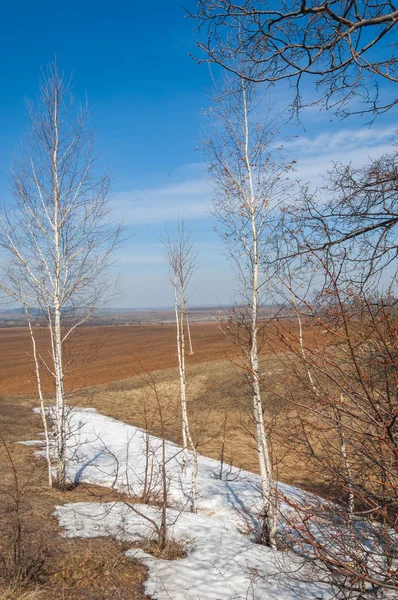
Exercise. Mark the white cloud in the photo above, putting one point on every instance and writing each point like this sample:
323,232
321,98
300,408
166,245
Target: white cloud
188,193
315,156
314,167
343,140
189,199
141,254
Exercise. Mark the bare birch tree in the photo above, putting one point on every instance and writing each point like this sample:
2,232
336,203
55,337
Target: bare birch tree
248,185
57,236
181,257
189,334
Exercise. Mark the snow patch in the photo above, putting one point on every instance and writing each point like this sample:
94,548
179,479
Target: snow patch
222,563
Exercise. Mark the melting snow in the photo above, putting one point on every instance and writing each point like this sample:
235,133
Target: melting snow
222,562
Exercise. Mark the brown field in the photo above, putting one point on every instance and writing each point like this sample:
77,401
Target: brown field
98,355
115,370
109,370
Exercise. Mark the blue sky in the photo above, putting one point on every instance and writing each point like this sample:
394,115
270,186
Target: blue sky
148,99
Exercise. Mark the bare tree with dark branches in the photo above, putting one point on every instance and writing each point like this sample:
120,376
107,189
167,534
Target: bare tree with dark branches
356,210
347,46
338,250
345,433
58,237
349,49
339,382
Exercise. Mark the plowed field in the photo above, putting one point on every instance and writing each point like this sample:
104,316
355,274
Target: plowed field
98,355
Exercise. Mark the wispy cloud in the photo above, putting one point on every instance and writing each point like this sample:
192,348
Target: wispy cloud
313,168
139,256
143,254
316,155
188,193
343,140
189,199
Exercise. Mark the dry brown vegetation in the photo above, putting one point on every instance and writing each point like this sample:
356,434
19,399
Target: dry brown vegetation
113,379
218,402
219,405
98,355
69,569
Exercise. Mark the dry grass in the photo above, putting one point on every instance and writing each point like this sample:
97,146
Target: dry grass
219,398
173,550
100,355
72,569
96,569
13,593
220,415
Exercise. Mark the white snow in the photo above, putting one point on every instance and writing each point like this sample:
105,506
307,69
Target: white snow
222,562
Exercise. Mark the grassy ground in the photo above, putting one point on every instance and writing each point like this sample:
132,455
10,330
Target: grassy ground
219,402
219,407
60,569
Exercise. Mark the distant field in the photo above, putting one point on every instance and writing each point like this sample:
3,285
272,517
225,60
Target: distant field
105,364
98,355
137,316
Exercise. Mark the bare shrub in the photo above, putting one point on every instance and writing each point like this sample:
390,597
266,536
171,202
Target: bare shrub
23,552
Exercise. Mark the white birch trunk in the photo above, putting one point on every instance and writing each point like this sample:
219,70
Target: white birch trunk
185,411
182,378
57,332
186,434
41,399
189,335
302,349
347,462
59,402
269,525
